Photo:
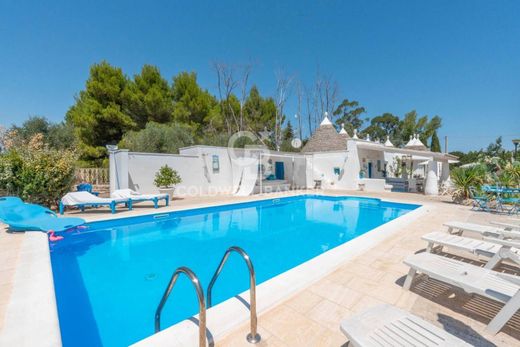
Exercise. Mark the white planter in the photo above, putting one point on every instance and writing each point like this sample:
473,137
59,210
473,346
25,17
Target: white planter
168,191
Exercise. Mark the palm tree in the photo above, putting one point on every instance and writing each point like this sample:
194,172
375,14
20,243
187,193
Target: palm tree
465,178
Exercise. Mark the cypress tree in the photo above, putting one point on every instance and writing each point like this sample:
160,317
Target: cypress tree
435,144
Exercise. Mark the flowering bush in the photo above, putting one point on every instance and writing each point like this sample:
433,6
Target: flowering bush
34,172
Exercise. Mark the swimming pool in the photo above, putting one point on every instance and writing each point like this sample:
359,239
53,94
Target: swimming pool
110,277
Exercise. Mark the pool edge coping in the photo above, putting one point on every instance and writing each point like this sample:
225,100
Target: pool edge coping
31,317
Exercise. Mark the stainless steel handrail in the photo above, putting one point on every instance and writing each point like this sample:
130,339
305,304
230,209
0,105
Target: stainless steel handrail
253,336
200,295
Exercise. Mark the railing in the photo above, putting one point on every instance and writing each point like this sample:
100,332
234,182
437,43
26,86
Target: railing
94,175
200,295
253,336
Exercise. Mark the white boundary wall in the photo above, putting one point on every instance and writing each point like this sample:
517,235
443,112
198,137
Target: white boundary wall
137,171
196,167
199,176
194,164
143,166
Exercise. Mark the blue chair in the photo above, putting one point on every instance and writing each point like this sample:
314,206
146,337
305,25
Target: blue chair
480,202
509,205
86,187
29,217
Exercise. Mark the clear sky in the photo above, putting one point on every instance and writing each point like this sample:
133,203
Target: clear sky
456,59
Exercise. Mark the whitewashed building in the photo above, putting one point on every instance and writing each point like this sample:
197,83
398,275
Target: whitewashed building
329,160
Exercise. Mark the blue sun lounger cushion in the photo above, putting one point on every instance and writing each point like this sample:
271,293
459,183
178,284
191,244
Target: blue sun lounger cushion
10,201
30,217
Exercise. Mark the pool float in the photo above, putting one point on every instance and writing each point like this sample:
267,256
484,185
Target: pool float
53,237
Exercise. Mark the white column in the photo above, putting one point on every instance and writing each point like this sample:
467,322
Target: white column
445,174
118,169
112,170
352,167
431,186
309,171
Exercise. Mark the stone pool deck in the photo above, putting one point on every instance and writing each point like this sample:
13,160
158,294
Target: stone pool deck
311,317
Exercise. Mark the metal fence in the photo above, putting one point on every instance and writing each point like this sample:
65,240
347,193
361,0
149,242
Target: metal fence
96,176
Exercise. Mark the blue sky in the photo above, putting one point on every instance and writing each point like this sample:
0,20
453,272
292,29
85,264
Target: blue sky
456,59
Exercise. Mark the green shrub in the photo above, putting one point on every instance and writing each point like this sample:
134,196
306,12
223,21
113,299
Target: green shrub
166,177
466,177
37,173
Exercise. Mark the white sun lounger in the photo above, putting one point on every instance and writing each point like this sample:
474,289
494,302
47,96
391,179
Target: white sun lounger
487,230
472,279
386,325
137,197
511,226
84,199
496,249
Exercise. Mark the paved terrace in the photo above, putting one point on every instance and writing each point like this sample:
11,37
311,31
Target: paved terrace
312,316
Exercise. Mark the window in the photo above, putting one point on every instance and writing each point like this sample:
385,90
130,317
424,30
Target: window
379,165
215,164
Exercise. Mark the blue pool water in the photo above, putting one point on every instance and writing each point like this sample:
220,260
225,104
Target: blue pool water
110,277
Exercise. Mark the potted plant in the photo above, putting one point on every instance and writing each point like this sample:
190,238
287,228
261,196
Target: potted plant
165,179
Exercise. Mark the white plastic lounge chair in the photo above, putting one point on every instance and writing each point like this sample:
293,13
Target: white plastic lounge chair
472,279
386,325
85,199
486,230
511,226
495,249
137,197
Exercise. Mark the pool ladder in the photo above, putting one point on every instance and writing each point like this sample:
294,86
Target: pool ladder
253,336
200,296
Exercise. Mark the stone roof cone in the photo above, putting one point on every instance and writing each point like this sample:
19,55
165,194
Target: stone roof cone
415,143
388,143
326,120
325,138
343,132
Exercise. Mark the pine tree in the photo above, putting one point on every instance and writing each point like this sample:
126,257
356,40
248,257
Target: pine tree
147,98
97,114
